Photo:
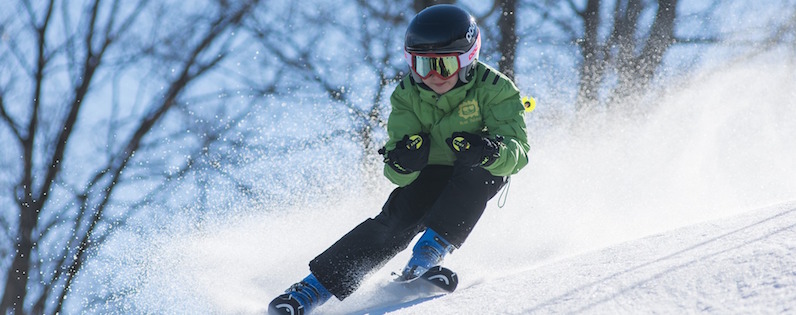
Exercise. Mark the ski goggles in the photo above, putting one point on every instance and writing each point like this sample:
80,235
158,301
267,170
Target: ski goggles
443,65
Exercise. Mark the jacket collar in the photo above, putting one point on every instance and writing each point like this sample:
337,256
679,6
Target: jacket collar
448,101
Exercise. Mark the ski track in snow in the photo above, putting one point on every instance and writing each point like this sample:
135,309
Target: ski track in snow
619,218
745,264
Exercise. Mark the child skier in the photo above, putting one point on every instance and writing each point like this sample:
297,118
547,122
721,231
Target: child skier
456,132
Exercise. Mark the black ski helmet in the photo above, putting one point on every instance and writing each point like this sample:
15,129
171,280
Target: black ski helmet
444,28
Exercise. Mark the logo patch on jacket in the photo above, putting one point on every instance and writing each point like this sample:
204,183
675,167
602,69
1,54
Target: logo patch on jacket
469,111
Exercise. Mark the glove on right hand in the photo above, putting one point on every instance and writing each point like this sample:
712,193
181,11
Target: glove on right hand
472,150
410,154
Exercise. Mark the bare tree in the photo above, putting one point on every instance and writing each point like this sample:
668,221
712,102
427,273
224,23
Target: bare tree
61,72
633,60
620,52
358,81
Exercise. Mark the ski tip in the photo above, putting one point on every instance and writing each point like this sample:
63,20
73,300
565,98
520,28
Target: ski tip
443,278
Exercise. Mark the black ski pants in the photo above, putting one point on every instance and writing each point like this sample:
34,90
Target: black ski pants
450,200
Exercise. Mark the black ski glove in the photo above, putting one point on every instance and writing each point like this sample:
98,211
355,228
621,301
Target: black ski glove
410,154
473,150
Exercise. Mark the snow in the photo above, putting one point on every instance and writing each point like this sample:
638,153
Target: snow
746,264
742,264
688,209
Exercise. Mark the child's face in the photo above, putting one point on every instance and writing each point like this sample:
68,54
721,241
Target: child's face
440,85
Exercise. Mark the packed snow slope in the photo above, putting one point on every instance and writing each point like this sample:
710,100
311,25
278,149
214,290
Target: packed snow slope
687,208
745,265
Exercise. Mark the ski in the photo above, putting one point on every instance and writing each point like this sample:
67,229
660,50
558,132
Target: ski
439,277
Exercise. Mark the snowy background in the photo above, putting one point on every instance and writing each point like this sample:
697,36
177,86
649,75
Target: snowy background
683,202
690,209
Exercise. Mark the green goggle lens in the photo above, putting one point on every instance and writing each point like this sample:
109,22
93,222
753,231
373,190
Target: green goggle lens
445,66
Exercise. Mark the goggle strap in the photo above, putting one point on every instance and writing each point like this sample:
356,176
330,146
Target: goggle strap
467,58
408,58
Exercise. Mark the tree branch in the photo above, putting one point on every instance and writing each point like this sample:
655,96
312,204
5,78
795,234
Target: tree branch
9,121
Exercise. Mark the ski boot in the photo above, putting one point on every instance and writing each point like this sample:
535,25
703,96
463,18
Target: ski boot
301,298
429,251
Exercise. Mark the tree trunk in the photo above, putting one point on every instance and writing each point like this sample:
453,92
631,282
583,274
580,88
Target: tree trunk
15,288
660,40
29,205
593,66
508,37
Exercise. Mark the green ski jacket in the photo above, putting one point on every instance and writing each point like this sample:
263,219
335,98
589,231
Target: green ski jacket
488,105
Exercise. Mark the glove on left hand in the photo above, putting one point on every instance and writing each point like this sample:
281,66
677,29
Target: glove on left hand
474,150
410,154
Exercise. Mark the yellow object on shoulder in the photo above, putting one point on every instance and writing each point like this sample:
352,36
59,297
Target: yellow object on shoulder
529,103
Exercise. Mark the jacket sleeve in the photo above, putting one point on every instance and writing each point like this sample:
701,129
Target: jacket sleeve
402,121
506,118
